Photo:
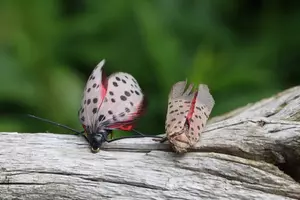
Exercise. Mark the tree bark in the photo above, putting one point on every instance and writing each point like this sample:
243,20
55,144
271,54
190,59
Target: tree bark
250,153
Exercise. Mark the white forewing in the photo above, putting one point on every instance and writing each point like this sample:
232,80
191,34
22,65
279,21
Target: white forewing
92,97
122,101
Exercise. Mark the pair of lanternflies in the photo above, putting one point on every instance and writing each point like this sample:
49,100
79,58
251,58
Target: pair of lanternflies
115,102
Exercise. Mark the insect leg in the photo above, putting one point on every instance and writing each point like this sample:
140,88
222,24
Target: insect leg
161,140
134,136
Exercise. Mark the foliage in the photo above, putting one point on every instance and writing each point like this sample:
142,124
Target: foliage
244,51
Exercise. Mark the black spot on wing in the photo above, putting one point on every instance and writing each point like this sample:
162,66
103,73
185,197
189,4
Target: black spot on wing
115,84
95,100
123,98
101,118
127,93
94,110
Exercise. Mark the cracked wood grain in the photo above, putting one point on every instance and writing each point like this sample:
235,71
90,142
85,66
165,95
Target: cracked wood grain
250,153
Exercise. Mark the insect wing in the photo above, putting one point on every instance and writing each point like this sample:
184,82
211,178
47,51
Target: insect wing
123,103
202,107
94,93
178,107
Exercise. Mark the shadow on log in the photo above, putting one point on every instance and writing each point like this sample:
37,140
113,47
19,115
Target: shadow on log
250,153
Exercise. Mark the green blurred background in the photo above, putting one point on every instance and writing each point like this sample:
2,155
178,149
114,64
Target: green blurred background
244,50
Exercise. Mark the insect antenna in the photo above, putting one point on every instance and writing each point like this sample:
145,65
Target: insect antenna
55,123
139,133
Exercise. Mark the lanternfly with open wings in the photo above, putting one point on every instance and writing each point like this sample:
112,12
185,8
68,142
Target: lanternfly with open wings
187,115
108,104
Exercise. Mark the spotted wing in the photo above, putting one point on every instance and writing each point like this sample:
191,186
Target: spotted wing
178,107
201,108
123,103
93,95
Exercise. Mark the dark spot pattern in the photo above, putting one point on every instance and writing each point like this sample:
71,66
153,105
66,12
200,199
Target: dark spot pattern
127,110
126,77
97,86
171,106
192,128
202,125
111,93
95,100
187,102
94,85
131,91
134,80
89,89
94,110
123,98
123,81
205,115
113,100
110,112
84,102
198,127
88,101
131,103
118,79
137,93
181,113
115,84
101,118
174,119
181,106
168,126
82,110
175,126
127,93
196,116
82,118
122,114
114,118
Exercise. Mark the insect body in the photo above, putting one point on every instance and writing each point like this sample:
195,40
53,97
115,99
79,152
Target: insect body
109,104
187,115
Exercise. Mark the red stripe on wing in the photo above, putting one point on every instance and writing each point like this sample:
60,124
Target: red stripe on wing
103,89
192,108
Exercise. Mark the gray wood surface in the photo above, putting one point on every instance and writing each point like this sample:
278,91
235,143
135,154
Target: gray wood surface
238,157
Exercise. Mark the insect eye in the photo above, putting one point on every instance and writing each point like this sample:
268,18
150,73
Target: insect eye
95,150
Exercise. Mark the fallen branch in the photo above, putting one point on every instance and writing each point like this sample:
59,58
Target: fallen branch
250,153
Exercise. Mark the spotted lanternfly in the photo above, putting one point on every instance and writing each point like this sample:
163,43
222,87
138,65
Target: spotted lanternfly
187,115
109,103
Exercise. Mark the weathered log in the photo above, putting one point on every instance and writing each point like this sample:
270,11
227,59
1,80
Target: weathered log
250,153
